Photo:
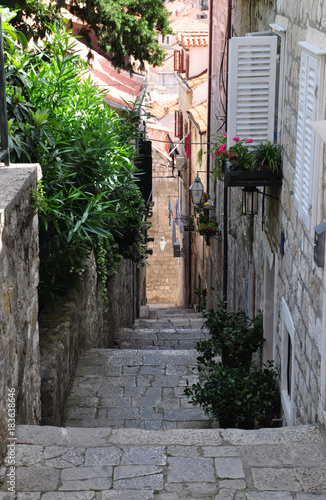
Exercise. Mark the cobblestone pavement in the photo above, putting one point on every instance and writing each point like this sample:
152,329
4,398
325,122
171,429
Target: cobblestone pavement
103,454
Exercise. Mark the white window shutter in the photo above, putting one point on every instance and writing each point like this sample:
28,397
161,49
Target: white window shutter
305,147
251,88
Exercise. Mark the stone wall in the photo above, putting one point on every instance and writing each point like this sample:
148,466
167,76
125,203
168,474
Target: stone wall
271,265
19,332
162,274
81,321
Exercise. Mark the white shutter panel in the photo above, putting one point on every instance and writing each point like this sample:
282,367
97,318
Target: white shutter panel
305,147
251,88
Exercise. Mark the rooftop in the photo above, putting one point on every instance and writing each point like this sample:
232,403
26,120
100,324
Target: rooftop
198,114
120,86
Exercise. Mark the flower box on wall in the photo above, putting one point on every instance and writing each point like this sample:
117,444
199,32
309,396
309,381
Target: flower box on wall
252,178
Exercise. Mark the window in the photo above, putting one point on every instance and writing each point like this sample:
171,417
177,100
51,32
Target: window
178,61
252,87
305,161
178,124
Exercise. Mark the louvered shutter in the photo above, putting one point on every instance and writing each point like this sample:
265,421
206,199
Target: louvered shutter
305,147
177,60
251,88
177,123
181,65
187,65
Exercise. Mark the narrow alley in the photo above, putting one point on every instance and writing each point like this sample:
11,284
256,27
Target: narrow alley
130,434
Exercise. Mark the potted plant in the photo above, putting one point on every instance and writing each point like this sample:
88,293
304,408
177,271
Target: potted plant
235,397
189,222
267,155
238,155
234,336
207,227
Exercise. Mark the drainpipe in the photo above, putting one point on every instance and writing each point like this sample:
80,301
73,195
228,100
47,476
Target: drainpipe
210,44
225,194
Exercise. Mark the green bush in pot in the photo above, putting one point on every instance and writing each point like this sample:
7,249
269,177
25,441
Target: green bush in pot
235,397
234,336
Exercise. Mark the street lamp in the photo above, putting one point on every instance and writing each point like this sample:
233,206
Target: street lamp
249,201
196,191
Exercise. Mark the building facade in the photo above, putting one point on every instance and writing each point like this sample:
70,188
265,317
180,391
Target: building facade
268,82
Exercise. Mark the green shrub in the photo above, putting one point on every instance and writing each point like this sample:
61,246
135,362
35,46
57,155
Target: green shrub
234,336
236,397
89,199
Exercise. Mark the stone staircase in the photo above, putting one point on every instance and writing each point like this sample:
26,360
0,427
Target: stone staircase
130,433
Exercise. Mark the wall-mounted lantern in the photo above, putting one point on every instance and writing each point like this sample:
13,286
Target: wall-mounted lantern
196,191
249,201
162,244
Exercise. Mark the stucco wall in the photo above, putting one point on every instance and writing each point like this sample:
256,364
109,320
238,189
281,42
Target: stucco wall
19,332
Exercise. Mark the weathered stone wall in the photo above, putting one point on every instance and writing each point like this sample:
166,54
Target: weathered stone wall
162,274
19,332
82,320
280,276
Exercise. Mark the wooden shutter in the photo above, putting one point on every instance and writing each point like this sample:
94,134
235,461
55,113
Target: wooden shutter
177,123
177,60
305,147
187,65
251,88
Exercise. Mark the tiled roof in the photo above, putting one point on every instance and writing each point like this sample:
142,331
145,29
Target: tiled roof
187,41
199,116
160,137
120,87
161,109
193,34
197,80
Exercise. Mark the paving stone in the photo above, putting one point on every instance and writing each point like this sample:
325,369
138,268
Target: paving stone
129,495
181,469
37,478
96,483
310,496
28,496
293,454
137,437
312,479
110,455
268,495
143,455
234,484
71,495
138,477
275,479
229,468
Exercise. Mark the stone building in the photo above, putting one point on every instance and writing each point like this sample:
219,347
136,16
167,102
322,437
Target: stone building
269,83
191,63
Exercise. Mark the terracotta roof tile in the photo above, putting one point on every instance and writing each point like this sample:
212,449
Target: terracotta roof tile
161,109
120,86
197,80
199,116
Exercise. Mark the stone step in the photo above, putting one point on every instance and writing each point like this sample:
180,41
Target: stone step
54,463
134,388
168,322
159,338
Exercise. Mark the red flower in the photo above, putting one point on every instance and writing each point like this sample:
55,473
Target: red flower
236,139
249,140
